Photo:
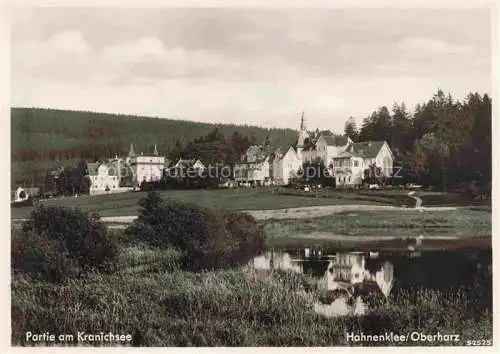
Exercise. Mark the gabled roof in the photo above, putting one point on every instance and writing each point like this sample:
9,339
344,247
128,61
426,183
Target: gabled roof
345,154
254,152
303,135
368,149
186,163
280,152
257,153
335,140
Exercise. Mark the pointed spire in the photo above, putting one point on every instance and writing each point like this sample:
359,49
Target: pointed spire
155,152
302,122
131,153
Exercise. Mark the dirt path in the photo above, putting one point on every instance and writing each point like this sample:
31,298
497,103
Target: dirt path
336,237
317,211
418,200
297,213
302,212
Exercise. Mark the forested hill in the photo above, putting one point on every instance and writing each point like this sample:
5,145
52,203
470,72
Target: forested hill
41,138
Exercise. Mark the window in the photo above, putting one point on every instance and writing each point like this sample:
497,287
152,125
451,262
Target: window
349,179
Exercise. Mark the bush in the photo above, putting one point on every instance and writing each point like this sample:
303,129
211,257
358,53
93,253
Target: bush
207,239
200,234
84,236
149,227
248,234
41,257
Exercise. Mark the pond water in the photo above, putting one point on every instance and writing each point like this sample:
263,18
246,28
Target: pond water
350,277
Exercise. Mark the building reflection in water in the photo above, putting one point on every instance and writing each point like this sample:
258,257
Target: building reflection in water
355,272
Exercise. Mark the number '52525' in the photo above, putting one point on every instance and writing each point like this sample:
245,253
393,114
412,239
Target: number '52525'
480,342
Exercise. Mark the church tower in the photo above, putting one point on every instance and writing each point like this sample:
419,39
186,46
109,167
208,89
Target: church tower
303,135
131,155
131,152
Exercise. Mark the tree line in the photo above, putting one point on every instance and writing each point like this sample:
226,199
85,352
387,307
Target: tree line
44,138
444,142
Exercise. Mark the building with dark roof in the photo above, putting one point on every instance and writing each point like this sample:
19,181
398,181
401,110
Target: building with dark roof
145,167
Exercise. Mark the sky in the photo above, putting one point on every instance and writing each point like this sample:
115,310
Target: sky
246,66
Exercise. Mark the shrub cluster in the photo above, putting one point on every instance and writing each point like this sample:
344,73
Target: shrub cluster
206,238
41,257
57,242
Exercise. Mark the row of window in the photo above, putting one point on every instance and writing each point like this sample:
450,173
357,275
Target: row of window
103,177
345,163
343,179
103,186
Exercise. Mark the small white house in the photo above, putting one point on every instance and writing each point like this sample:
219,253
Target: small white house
285,166
103,178
192,163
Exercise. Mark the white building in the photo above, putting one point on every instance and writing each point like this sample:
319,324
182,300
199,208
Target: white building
146,168
345,159
195,164
348,167
285,166
103,178
347,269
254,167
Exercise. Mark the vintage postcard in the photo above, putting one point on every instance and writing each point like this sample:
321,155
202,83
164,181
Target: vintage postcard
257,176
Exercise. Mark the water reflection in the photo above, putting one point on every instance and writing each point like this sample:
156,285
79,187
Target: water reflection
351,277
340,271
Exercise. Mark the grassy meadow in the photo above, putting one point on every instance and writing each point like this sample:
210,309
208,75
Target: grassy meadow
387,230
472,225
231,199
149,292
400,223
165,306
264,198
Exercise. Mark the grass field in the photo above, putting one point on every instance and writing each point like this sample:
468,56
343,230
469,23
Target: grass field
253,199
460,223
148,295
169,307
233,199
470,227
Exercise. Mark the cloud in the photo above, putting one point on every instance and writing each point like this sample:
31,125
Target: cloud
431,47
148,57
143,50
306,37
64,56
248,37
245,66
69,42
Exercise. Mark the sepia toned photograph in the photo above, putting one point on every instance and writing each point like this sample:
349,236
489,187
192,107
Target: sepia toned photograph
251,177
